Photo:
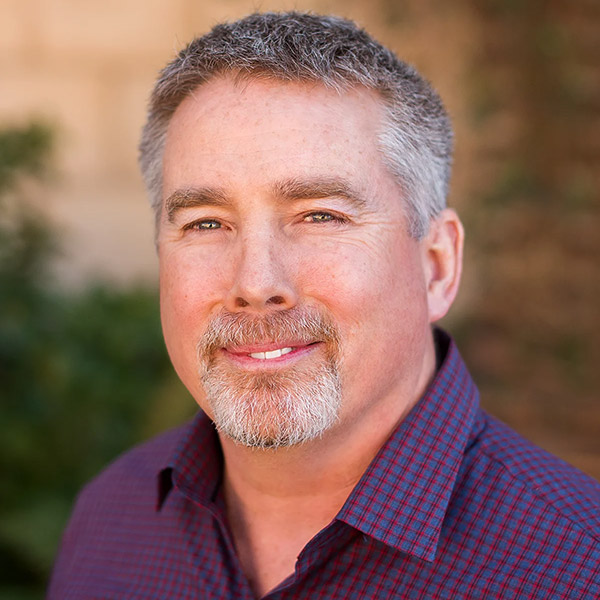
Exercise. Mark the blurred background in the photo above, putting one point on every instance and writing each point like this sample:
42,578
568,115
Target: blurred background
83,370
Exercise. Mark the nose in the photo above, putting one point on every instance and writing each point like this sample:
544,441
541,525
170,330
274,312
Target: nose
261,279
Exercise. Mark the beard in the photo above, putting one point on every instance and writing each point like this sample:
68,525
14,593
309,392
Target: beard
275,408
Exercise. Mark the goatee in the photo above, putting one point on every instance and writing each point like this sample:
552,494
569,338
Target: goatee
274,408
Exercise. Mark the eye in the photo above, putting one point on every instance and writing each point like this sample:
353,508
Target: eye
203,225
323,217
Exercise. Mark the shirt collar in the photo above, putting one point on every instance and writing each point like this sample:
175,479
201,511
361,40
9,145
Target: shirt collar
196,466
402,498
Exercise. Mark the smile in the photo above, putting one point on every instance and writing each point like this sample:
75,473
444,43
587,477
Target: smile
270,355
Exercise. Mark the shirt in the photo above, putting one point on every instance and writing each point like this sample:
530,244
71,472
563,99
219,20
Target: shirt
454,505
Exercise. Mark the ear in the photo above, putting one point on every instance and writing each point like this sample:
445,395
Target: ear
442,251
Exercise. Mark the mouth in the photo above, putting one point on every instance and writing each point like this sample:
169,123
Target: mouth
271,354
265,355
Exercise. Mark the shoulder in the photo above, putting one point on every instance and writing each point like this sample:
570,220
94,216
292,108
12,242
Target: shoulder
541,478
528,522
115,513
137,465
129,483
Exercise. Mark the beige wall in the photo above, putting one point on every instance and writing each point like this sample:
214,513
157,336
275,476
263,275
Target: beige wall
87,66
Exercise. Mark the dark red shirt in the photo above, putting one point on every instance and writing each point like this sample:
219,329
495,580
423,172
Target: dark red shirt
455,505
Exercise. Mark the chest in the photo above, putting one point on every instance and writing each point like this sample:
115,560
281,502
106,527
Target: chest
187,554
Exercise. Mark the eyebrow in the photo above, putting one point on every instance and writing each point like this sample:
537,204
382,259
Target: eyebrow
321,187
191,197
287,190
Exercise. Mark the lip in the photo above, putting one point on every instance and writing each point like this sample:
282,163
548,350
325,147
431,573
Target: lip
266,347
240,355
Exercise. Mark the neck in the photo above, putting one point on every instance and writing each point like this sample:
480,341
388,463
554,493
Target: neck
277,500
326,464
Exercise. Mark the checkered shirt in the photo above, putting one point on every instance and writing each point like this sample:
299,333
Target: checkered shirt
455,505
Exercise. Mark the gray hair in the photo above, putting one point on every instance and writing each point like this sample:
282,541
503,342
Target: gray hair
416,140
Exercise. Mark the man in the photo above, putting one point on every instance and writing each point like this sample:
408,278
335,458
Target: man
299,172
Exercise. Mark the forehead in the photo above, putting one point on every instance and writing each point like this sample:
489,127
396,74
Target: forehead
228,130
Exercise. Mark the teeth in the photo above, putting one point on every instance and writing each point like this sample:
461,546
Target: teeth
272,354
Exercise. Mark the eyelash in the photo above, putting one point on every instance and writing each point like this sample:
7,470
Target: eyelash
330,218
198,225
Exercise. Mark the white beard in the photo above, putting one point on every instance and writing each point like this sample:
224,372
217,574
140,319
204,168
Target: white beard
272,409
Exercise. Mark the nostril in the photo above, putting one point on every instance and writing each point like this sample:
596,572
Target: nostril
241,303
276,300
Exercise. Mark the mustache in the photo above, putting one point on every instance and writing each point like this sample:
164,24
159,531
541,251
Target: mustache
299,324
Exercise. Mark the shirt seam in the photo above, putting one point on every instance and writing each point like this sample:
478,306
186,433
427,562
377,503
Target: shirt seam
534,492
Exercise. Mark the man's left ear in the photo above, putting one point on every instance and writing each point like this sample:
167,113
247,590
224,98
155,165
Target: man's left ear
442,251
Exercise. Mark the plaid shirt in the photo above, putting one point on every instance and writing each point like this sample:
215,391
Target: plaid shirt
455,505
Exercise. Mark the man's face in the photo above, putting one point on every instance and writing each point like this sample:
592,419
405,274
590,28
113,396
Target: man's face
289,284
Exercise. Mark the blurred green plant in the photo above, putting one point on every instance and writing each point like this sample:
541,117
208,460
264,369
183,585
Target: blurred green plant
83,376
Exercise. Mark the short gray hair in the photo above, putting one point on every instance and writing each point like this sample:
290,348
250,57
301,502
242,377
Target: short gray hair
416,141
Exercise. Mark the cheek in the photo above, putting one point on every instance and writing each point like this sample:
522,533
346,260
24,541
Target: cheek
361,282
189,282
378,300
188,292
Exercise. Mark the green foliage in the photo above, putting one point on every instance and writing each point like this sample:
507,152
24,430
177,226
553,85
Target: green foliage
82,377
23,150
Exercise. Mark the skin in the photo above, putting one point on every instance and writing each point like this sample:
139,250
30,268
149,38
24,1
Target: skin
247,240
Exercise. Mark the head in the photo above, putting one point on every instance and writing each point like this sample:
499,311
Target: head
298,171
416,137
